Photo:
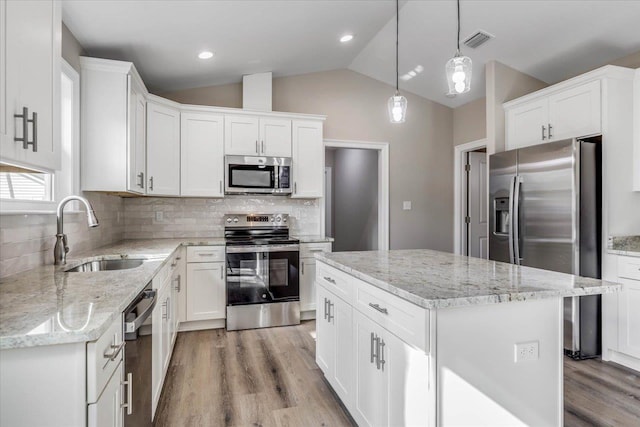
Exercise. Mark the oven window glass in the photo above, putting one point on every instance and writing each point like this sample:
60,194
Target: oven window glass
254,278
251,176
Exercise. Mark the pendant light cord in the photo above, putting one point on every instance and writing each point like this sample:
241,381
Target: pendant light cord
458,26
397,35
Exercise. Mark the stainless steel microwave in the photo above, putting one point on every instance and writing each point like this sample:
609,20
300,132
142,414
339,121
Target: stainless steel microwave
257,175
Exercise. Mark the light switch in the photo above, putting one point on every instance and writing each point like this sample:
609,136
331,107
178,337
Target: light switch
159,215
406,205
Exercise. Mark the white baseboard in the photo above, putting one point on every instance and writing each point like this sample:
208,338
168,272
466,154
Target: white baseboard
308,315
624,360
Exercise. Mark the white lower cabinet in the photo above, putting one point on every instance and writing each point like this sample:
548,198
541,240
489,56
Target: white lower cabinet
107,411
381,379
161,340
205,283
629,306
308,274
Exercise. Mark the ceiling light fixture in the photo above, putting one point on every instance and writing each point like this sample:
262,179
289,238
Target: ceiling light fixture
458,68
205,55
397,104
346,38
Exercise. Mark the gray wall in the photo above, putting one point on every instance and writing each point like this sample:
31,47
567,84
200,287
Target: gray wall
421,153
355,200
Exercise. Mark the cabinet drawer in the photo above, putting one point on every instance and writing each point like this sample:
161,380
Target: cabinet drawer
341,284
402,318
308,250
205,254
103,357
629,267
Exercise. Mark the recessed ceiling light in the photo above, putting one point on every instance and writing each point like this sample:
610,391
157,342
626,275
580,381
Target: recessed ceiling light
346,38
205,55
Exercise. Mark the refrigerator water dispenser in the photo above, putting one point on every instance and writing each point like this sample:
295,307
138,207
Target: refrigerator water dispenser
501,215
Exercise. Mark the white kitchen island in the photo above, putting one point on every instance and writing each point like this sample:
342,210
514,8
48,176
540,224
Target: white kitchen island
419,337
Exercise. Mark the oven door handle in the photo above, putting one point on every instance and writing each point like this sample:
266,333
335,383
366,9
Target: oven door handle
138,321
260,248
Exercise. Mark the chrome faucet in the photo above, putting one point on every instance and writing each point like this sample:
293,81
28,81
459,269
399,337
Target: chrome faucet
61,248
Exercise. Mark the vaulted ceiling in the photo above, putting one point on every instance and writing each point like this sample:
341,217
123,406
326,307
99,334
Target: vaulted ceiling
550,40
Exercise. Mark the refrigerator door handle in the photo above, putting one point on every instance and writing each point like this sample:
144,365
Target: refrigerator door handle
515,222
511,198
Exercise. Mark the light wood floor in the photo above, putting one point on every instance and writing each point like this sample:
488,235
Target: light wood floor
268,377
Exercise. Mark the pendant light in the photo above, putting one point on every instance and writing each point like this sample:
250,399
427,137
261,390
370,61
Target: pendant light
397,104
458,69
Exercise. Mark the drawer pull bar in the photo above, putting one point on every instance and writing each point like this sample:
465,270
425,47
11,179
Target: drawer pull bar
315,250
129,384
330,280
206,254
116,351
380,309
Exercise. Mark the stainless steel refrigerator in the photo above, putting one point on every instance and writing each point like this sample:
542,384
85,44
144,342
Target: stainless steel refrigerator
545,212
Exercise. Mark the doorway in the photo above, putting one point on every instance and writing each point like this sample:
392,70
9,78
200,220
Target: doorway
471,200
356,203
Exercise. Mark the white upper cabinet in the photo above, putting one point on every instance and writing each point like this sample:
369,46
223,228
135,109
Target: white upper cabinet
202,155
275,137
308,159
30,43
113,140
575,112
163,149
257,136
241,135
566,110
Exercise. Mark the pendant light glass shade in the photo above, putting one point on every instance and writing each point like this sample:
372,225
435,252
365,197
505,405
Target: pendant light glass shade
397,108
458,71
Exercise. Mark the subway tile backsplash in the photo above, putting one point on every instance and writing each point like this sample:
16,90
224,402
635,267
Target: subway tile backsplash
27,240
203,217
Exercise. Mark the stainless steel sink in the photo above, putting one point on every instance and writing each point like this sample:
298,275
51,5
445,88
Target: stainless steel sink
107,265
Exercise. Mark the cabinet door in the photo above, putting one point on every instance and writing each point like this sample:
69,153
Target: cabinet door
308,159
167,329
325,334
202,147
575,112
163,150
137,139
107,411
206,298
31,79
307,284
158,346
341,319
176,288
408,390
629,320
275,137
527,124
370,403
241,135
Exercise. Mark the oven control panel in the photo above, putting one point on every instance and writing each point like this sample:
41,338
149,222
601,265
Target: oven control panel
256,220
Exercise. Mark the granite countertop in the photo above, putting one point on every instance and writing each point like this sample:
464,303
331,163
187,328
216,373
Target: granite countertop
46,306
436,280
314,239
624,245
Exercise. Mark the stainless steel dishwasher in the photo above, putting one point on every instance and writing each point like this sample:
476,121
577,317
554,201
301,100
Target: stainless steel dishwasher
137,358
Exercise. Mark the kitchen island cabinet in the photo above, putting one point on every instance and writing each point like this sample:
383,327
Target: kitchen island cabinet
442,339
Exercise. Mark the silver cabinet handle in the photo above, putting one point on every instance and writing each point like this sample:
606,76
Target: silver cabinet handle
205,254
329,279
151,183
302,267
178,283
325,308
331,316
295,188
165,309
34,140
262,146
315,250
115,350
550,127
381,360
380,309
25,129
543,135
220,186
374,348
222,272
129,384
141,178
257,148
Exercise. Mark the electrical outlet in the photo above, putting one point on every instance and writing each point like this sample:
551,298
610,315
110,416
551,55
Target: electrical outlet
406,205
159,215
526,351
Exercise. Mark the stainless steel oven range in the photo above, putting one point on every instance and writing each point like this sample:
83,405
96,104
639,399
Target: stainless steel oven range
262,262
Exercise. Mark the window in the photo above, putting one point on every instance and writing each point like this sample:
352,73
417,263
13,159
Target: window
33,191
